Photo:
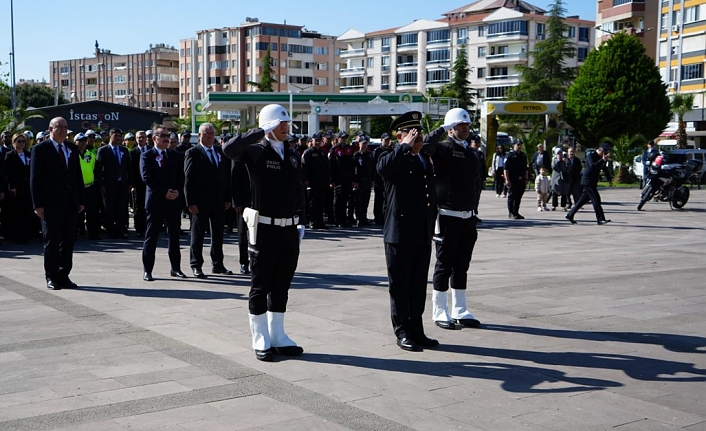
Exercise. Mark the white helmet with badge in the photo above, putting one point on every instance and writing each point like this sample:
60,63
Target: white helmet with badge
273,113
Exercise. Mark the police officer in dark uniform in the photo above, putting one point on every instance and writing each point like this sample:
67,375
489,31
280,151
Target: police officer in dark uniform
457,168
326,145
648,156
410,191
515,178
185,142
242,199
342,171
138,186
378,188
315,176
596,161
275,223
478,151
363,180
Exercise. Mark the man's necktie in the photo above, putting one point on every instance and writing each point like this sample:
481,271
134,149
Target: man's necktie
212,157
63,155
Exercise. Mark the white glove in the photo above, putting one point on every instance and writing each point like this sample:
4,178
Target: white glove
448,127
270,126
301,230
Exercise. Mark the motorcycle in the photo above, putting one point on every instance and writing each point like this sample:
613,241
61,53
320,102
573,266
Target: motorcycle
666,183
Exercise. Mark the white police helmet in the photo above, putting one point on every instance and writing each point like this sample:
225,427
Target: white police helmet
457,116
271,113
28,134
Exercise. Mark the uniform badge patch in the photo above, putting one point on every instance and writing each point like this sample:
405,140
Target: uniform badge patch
294,161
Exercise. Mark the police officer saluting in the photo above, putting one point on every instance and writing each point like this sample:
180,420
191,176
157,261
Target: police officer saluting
457,166
275,224
363,177
315,176
379,198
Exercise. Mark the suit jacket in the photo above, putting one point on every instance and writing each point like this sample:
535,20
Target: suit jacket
160,176
546,160
135,175
108,169
575,169
240,185
206,185
17,173
410,191
55,186
594,165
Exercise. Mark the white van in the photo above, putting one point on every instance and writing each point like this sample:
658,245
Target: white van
671,144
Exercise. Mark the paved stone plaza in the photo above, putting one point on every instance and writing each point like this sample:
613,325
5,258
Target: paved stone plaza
585,328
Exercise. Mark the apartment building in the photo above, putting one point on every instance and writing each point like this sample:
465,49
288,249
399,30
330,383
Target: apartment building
637,17
496,34
227,59
147,80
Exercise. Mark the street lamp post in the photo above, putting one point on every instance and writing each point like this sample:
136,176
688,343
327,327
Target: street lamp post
12,54
291,106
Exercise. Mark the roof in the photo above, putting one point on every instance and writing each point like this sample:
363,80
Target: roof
420,25
481,6
351,34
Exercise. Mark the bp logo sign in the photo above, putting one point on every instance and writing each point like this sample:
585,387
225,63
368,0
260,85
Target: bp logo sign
198,107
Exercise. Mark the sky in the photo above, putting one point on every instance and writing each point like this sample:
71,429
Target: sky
47,30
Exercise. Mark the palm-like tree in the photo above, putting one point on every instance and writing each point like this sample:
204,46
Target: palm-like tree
625,147
14,121
681,104
531,138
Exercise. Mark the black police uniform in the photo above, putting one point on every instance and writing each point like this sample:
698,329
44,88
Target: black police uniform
140,215
277,194
648,156
456,190
516,171
378,188
240,188
410,192
315,173
595,163
480,185
342,171
364,168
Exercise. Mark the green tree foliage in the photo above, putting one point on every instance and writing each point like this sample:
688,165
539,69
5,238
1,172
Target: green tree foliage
548,77
379,125
460,86
618,91
29,96
531,138
266,80
625,148
681,104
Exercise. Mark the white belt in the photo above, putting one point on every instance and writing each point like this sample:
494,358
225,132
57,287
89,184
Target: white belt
281,222
458,214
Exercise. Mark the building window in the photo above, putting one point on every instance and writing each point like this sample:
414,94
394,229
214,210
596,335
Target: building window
91,81
181,52
370,80
540,30
584,34
507,28
406,60
691,14
385,63
301,80
481,30
320,50
582,54
320,81
481,51
385,41
120,93
481,72
439,36
64,82
437,76
496,92
572,32
119,79
692,71
91,94
371,43
409,39
371,62
407,78
438,56
462,35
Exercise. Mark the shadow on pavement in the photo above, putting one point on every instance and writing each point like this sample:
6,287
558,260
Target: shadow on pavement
165,293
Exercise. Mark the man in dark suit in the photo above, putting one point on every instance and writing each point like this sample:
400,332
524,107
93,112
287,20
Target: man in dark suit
113,178
575,174
162,171
56,184
207,192
138,186
596,161
541,159
410,215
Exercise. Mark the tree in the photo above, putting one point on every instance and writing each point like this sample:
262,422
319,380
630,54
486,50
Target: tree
460,86
534,136
618,91
548,77
30,96
266,80
625,148
681,104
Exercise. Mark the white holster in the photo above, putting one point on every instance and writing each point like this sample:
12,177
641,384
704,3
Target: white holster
251,218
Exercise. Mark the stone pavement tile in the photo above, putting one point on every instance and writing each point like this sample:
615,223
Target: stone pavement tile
136,393
20,303
177,374
490,414
691,401
252,411
311,423
393,408
111,342
30,379
341,390
647,425
697,427
290,370
70,388
158,364
19,398
204,382
107,425
44,407
164,418
11,357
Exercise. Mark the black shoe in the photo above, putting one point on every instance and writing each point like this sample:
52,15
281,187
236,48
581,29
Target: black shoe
264,355
221,270
147,276
407,344
68,284
519,217
288,350
600,222
571,219
445,325
177,274
53,285
244,269
512,216
468,323
198,273
425,341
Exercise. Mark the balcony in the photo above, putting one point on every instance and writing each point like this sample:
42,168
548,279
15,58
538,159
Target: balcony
511,35
346,53
385,68
407,65
407,84
506,58
355,69
438,42
408,47
386,48
502,77
385,86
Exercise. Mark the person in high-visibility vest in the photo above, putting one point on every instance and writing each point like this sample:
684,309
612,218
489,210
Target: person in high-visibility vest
88,221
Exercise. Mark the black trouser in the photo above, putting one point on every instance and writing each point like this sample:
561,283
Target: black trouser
317,197
351,207
242,239
273,260
379,204
341,196
407,269
514,196
479,188
139,215
362,201
212,220
116,210
19,221
58,235
328,206
170,213
500,187
589,193
454,249
575,189
89,218
555,199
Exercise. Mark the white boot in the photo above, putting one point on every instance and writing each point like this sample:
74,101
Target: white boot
459,312
260,337
280,340
440,310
